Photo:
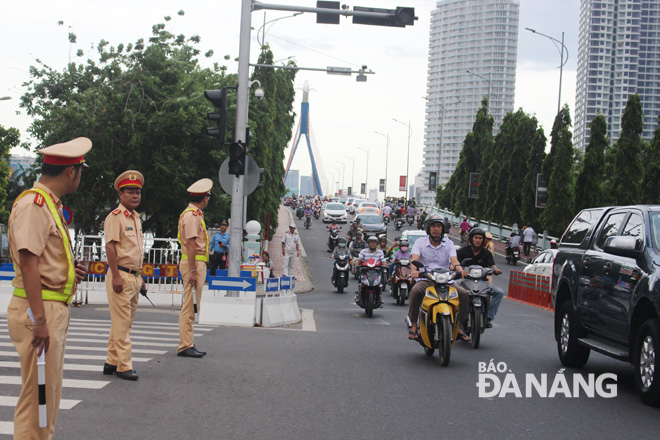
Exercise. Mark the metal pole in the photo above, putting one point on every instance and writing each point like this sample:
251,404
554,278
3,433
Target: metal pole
366,179
561,71
236,230
352,175
387,154
408,161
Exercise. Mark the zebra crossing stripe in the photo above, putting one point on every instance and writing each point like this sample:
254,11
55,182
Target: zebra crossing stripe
133,331
134,326
64,403
104,349
6,428
70,367
66,383
105,341
87,357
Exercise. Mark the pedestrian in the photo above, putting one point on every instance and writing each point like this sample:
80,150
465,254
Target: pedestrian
528,237
290,250
45,283
267,265
123,246
194,241
220,248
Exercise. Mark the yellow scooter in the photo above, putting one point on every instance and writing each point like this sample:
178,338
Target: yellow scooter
438,323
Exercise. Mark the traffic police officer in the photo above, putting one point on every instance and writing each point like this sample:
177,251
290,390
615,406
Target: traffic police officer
123,245
45,282
194,256
220,248
290,250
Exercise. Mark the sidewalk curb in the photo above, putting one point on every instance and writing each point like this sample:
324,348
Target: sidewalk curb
303,262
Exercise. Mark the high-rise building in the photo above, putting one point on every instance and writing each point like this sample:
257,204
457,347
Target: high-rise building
292,182
306,186
473,51
618,55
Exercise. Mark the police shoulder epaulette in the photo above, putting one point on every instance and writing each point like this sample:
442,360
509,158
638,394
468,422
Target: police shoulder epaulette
194,212
116,211
39,200
126,213
199,212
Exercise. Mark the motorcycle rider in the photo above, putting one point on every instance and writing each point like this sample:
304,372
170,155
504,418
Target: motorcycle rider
401,252
482,257
357,246
333,227
434,251
341,249
308,212
465,227
352,233
372,251
513,243
411,212
387,210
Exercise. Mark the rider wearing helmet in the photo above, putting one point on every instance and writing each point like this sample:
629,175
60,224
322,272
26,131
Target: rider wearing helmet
341,249
481,256
357,246
434,251
372,251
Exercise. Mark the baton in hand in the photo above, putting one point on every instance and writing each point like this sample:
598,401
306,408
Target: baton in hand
143,292
41,374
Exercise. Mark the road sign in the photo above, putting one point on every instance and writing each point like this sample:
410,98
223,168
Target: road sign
541,191
285,283
67,214
272,284
251,181
234,284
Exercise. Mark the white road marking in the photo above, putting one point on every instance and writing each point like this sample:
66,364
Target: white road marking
66,383
11,401
7,428
308,323
70,367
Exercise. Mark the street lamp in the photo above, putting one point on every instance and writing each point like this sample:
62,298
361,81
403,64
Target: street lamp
562,62
263,26
442,119
366,179
408,159
387,154
338,173
343,173
352,175
485,79
5,98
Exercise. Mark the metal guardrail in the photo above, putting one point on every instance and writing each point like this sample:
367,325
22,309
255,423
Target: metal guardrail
500,232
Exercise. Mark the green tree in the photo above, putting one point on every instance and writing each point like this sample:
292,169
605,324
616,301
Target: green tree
517,166
9,138
627,155
589,183
271,120
559,209
529,213
142,106
563,119
649,189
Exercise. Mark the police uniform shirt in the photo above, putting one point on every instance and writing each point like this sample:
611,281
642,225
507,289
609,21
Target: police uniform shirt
190,226
37,233
290,241
125,229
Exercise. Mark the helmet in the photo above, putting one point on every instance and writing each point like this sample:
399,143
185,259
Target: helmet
489,236
476,231
434,218
382,238
359,234
341,240
334,222
372,239
403,242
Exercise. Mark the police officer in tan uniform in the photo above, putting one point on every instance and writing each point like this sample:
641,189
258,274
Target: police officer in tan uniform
123,245
46,278
194,256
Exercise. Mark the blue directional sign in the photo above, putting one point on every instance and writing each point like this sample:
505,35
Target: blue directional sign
272,284
285,283
293,283
233,284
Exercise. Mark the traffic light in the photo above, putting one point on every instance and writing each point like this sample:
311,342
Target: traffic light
219,100
261,180
399,17
237,152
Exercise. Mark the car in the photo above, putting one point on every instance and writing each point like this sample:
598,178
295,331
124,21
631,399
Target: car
412,236
542,264
368,207
353,206
372,224
348,203
334,211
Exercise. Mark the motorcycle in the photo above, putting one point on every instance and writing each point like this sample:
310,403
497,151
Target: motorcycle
333,239
386,219
478,289
317,212
369,290
355,270
464,237
410,219
341,272
420,223
398,223
512,255
300,212
401,282
438,326
308,221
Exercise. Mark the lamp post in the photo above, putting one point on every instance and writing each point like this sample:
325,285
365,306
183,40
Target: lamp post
485,79
366,179
408,158
338,173
5,98
442,120
263,26
352,175
387,154
343,174
561,53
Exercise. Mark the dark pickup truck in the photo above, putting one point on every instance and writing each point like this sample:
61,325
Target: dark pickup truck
606,291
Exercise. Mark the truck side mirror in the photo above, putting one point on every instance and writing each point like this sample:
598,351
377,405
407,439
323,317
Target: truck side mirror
623,246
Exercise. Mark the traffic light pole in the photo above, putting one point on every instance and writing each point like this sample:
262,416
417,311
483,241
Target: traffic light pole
240,132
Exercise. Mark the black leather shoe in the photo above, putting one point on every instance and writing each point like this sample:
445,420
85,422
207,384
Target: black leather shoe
128,375
189,352
109,369
199,351
489,323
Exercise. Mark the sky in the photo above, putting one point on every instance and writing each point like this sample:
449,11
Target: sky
343,113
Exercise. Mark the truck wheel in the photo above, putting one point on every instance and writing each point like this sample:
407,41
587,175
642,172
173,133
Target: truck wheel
647,375
571,353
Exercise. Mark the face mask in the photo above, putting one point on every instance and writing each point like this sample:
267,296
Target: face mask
341,245
404,248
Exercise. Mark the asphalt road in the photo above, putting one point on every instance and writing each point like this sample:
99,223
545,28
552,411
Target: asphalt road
351,378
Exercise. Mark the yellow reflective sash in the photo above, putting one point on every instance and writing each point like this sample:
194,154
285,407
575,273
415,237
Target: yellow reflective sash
51,295
204,257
